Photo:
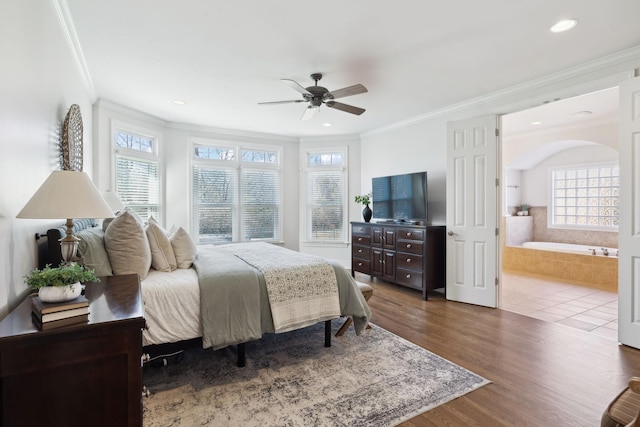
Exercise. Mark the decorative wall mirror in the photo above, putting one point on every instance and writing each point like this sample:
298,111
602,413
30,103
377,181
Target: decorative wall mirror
71,144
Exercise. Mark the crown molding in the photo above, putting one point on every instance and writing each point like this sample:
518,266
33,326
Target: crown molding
620,64
71,36
231,133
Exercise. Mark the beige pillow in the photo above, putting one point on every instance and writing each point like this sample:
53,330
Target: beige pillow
92,253
162,256
183,247
127,245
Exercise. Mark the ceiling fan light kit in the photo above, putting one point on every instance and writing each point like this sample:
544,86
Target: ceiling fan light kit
318,95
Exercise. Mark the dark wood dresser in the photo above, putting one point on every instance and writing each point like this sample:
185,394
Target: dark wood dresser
409,255
80,375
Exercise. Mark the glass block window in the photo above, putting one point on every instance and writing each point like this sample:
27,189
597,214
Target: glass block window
585,197
236,199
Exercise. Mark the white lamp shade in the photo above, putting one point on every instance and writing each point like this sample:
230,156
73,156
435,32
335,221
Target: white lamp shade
113,201
66,194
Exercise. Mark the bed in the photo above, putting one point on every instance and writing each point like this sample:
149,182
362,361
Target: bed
225,297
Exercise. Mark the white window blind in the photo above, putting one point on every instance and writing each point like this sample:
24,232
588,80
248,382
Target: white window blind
236,199
260,191
325,205
214,203
137,172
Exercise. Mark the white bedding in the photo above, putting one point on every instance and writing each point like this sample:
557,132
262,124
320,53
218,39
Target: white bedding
168,321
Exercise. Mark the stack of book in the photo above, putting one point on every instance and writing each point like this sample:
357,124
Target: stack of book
48,315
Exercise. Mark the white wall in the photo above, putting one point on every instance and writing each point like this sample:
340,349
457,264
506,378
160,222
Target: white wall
39,82
535,181
175,142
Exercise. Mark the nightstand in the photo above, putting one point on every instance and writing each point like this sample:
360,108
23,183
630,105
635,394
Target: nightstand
81,375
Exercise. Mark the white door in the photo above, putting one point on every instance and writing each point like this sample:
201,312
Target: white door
472,171
629,227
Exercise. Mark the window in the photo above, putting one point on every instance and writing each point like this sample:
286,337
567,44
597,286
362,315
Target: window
325,201
585,197
137,172
236,199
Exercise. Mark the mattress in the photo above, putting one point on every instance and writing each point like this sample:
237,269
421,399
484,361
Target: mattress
171,305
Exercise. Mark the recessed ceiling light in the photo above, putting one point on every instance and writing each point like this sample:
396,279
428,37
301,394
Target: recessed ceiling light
326,125
536,123
583,113
178,102
564,25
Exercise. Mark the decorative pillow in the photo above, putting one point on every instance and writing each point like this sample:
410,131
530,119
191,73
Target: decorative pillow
162,256
127,245
105,223
183,247
92,253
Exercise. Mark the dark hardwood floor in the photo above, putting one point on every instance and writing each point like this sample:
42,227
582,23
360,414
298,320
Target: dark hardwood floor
542,374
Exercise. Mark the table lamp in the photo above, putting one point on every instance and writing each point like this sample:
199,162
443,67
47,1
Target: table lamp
113,201
67,194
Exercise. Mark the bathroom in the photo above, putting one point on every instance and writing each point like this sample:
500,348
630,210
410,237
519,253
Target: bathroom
572,147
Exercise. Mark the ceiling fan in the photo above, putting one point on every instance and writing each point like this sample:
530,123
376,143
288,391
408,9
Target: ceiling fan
318,95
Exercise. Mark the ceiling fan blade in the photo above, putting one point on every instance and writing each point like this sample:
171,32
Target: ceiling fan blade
296,86
309,112
281,102
347,91
345,107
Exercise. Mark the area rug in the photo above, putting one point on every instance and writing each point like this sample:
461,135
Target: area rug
291,379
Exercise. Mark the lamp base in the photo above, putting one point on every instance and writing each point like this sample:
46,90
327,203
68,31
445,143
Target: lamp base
69,243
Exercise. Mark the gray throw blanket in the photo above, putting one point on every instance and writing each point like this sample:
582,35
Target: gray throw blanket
234,304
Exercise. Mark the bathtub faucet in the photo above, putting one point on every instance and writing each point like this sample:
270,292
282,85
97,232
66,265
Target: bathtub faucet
593,251
605,251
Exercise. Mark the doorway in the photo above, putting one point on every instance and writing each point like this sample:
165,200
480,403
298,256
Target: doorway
570,134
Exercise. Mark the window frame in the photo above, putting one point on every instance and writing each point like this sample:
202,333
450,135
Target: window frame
551,197
305,213
237,165
132,154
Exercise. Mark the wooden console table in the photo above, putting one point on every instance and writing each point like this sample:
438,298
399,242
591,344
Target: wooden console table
80,375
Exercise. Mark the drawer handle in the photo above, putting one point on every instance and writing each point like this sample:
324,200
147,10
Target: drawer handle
359,239
359,264
408,276
409,234
408,260
359,250
408,245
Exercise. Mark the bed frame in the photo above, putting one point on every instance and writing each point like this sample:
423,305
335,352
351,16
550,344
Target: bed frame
49,253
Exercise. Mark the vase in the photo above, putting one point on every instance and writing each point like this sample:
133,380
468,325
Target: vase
60,293
367,213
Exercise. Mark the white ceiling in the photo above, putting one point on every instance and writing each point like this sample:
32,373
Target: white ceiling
223,57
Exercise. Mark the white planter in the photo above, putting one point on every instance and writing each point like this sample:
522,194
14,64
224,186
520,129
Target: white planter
60,293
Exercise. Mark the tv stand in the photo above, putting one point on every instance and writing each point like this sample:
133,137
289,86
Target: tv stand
409,255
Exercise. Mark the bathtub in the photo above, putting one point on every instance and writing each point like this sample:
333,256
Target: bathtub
570,248
566,262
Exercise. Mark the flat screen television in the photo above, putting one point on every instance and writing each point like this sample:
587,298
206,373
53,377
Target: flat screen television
400,197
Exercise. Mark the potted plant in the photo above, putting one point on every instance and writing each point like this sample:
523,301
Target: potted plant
524,208
365,199
57,284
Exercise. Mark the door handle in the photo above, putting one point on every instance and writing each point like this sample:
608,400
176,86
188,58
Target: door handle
451,233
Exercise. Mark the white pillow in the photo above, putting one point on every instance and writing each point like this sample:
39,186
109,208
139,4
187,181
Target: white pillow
162,256
183,247
92,252
127,245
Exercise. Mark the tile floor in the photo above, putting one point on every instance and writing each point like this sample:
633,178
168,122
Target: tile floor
576,306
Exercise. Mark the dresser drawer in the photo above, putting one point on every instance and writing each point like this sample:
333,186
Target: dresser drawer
361,240
410,246
361,230
409,261
410,234
361,265
410,278
361,252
